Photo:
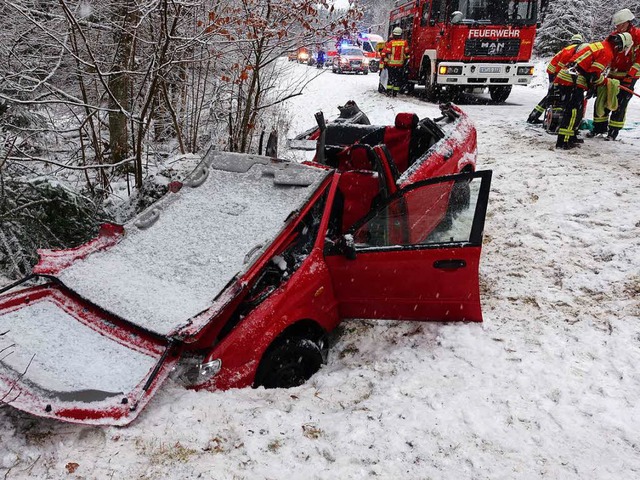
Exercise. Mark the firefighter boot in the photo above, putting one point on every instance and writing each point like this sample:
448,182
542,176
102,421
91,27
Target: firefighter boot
613,134
565,144
534,117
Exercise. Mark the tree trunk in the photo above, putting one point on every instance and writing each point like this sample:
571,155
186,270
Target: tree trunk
119,82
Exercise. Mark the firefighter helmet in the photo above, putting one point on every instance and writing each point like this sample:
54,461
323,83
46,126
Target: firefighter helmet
621,16
397,32
622,41
576,39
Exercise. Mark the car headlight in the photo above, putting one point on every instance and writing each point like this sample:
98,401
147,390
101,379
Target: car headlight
191,371
344,60
525,70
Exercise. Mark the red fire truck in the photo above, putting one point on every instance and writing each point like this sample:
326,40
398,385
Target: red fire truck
465,44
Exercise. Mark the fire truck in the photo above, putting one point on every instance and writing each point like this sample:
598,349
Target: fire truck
461,45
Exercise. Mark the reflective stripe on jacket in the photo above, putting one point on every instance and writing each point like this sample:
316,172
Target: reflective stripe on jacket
589,62
560,59
624,65
396,53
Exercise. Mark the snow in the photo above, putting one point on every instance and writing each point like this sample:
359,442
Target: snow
161,276
546,387
35,344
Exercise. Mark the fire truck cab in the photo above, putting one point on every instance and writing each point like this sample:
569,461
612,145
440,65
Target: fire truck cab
466,44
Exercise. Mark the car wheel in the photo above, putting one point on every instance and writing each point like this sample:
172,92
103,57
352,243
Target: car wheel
289,362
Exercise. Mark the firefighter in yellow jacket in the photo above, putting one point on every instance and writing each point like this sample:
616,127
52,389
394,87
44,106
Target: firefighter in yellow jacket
395,56
556,64
625,67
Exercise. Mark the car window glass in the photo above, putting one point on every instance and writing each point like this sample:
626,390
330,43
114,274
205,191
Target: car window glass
304,236
366,46
352,51
431,214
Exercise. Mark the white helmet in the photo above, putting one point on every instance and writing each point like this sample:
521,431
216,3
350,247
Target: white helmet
621,16
397,31
576,39
622,41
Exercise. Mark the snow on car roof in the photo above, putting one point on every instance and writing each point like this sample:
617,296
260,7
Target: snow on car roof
178,255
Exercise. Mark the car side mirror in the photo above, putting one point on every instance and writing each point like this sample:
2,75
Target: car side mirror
457,17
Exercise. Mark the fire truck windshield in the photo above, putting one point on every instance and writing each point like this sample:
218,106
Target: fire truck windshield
503,12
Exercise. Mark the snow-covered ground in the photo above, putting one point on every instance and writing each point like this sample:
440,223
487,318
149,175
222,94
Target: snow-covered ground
547,386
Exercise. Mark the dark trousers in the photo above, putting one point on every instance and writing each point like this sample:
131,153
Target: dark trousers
395,80
572,99
541,107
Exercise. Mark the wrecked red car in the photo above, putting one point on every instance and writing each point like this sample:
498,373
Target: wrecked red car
235,280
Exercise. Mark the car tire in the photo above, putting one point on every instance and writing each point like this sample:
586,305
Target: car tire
289,362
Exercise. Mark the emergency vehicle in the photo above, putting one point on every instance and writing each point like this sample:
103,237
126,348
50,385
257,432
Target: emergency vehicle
369,43
465,44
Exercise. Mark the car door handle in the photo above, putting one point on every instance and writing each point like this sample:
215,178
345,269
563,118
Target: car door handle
449,264
447,154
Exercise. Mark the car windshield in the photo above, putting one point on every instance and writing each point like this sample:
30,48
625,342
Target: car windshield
352,51
514,12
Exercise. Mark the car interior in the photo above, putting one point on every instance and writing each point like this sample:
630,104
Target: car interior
407,140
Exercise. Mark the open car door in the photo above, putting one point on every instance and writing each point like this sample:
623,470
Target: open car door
417,256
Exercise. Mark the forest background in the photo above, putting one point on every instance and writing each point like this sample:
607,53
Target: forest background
100,102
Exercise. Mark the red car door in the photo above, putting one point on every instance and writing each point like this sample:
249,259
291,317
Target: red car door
417,256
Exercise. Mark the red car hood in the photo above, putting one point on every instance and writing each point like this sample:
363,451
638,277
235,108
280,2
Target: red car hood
62,358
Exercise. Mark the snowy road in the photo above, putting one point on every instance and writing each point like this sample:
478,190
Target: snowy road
547,387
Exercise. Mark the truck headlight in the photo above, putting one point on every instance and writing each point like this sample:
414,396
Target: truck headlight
525,70
449,70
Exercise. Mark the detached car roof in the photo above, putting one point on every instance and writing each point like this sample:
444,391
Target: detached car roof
177,257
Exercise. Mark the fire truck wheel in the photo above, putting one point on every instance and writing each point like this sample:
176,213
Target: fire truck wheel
430,90
500,94
289,362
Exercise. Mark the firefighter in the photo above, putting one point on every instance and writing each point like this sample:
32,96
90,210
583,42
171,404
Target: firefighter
583,72
395,55
559,60
625,68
